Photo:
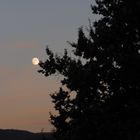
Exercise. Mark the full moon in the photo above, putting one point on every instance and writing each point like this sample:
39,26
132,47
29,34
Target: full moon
35,61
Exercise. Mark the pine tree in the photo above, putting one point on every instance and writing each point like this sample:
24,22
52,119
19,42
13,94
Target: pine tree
105,76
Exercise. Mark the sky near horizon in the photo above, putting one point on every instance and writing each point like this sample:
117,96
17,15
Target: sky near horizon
26,27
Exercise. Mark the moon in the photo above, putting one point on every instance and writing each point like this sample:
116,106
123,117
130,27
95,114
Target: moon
35,61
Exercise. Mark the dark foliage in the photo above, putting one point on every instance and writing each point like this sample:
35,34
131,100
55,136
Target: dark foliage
105,77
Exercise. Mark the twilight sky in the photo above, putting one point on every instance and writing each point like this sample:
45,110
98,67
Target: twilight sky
26,27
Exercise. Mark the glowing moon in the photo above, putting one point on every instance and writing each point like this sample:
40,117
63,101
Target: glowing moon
35,61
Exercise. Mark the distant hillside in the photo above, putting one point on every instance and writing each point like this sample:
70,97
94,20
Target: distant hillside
10,134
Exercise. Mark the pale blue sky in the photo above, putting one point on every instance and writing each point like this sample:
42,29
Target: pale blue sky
26,27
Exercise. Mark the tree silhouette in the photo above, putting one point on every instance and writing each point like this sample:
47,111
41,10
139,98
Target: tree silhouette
104,75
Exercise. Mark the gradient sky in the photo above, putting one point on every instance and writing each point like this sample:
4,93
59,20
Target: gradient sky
26,27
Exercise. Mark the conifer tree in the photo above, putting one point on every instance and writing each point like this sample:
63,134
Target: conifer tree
104,75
